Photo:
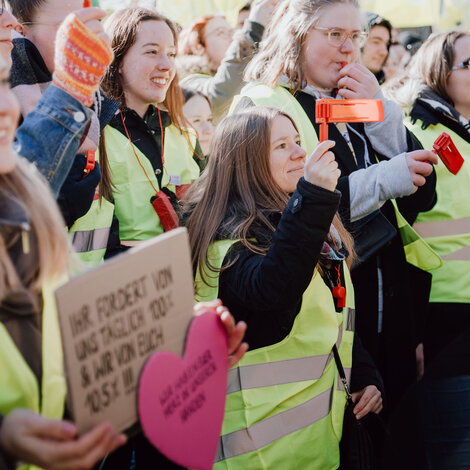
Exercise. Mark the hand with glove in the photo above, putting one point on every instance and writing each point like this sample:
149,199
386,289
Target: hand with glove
82,54
77,193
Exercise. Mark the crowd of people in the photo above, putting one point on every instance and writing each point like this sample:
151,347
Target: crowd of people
351,250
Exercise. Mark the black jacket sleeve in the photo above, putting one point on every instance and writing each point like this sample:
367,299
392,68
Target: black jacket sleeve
266,290
364,372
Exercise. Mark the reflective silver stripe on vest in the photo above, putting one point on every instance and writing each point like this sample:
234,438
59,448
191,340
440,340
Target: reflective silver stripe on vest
89,240
271,429
287,371
276,373
444,228
459,255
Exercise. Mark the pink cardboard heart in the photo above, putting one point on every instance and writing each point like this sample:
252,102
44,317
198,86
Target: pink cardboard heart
181,401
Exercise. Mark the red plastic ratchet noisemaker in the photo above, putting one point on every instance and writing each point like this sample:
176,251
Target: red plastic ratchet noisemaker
330,110
446,150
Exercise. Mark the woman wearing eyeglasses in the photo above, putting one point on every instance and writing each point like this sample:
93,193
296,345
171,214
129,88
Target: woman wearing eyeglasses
309,52
434,91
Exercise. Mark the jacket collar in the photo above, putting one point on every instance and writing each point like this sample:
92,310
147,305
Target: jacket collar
431,109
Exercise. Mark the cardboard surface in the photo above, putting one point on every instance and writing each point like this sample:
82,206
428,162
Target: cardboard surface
182,401
115,317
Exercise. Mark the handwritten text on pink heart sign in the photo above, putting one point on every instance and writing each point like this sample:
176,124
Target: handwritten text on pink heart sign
181,402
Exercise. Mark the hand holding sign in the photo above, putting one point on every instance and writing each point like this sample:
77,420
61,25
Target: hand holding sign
235,332
52,444
178,398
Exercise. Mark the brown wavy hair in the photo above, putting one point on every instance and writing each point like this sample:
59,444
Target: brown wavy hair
122,27
237,189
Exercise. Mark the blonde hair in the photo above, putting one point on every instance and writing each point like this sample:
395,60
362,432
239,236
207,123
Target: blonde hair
280,51
26,184
430,67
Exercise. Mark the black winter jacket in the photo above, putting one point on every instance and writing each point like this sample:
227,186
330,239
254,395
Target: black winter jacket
266,290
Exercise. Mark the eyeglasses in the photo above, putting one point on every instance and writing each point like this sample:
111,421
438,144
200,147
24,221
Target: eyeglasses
2,7
462,65
337,37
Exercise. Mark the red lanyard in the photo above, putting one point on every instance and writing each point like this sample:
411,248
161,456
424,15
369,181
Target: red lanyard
135,153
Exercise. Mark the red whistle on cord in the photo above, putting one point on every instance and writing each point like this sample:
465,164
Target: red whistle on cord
448,153
90,162
330,110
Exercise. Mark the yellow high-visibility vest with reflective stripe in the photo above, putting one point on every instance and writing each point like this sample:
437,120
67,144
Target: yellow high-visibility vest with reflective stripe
446,227
18,385
285,402
137,218
418,253
90,233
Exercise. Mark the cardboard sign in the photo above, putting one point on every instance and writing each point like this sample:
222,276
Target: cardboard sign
115,317
182,412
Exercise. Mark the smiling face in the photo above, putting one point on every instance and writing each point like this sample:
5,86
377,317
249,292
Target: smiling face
321,61
375,50
9,115
148,68
199,114
286,156
46,23
458,83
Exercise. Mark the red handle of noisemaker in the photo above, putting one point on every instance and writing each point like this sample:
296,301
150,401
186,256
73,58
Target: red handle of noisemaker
331,110
446,150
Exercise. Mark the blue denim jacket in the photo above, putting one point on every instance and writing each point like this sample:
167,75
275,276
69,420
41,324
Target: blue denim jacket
50,134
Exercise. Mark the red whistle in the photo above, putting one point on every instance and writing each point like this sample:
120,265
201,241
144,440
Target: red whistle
90,162
330,110
448,153
86,3
339,293
343,64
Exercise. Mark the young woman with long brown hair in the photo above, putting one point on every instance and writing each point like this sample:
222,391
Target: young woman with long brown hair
149,146
266,240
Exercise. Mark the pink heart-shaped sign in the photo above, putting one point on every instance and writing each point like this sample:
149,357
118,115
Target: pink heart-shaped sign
182,401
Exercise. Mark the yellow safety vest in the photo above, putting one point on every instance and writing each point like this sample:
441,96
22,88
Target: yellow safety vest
285,403
90,233
137,217
18,385
417,251
446,227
